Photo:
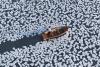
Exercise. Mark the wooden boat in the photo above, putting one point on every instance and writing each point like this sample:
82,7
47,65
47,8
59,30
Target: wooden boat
55,32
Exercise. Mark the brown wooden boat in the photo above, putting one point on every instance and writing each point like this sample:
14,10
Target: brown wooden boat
55,32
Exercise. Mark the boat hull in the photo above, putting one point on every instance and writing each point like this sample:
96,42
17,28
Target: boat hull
55,32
